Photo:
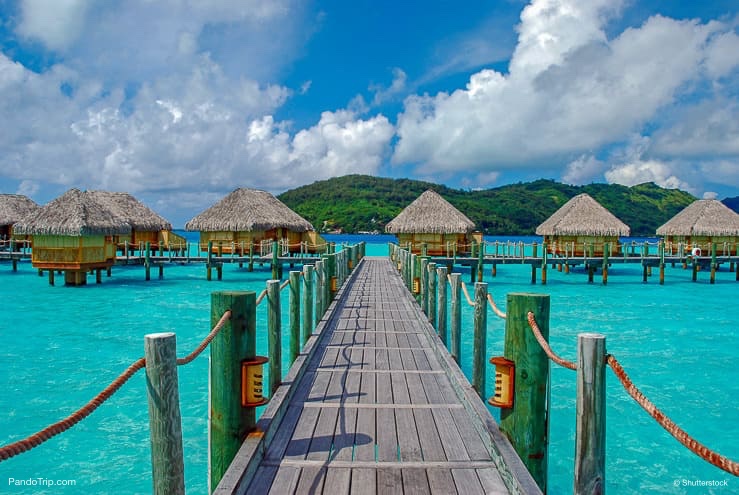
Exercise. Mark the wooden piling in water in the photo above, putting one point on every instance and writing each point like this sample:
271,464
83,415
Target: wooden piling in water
294,287
165,423
456,317
590,431
308,271
319,292
441,305
525,424
274,335
479,347
432,294
236,342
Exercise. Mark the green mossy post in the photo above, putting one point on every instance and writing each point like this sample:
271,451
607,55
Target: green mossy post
480,338
237,341
590,431
525,424
294,315
275,261
432,294
307,302
604,266
274,335
319,291
456,317
165,422
425,285
480,261
441,305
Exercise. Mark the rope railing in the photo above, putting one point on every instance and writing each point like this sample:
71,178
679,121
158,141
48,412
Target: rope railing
261,296
673,429
467,295
32,441
670,426
496,310
545,345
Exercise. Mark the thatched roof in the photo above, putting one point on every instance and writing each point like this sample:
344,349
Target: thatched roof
432,214
703,217
582,215
139,216
247,210
13,207
75,213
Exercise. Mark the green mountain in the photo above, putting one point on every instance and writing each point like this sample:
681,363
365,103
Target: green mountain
355,203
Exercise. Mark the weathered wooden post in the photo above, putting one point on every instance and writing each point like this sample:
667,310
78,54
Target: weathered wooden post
525,424
236,342
165,423
432,294
274,335
275,261
319,291
590,434
480,261
456,317
441,328
307,302
714,263
147,260
209,261
604,266
662,262
480,338
425,285
294,315
544,255
250,266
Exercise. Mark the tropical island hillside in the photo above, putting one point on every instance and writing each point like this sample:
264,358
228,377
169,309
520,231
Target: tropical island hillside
362,203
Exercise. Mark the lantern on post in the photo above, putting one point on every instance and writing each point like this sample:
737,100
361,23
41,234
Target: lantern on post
252,379
505,371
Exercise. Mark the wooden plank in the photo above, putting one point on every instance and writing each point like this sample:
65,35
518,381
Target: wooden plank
311,480
476,448
450,437
467,482
263,480
338,481
390,481
285,481
491,481
441,481
415,482
364,481
429,436
365,430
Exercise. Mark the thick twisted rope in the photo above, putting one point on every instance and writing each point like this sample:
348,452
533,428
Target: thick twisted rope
495,309
680,435
28,443
261,296
206,341
36,439
545,345
467,295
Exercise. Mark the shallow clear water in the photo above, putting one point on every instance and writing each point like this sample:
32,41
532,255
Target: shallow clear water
62,345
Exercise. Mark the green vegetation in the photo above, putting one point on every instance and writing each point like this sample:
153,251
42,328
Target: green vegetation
355,203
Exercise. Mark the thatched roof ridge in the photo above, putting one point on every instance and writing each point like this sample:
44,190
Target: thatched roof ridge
246,210
139,216
432,214
582,215
75,213
703,217
13,207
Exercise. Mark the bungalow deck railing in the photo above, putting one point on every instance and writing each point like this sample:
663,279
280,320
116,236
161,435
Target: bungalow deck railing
523,406
236,379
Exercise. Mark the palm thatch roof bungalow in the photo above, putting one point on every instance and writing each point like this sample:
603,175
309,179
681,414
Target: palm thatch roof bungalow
582,226
700,224
13,207
74,233
249,216
146,225
432,221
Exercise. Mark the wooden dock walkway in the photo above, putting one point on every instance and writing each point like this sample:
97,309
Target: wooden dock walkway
375,404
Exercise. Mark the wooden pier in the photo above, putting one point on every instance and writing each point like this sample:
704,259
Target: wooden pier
375,404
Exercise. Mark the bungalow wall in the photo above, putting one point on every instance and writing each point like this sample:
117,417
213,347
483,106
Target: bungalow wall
439,244
726,245
61,252
230,242
580,245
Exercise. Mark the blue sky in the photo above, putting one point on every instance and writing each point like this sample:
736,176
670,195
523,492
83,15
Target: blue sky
181,101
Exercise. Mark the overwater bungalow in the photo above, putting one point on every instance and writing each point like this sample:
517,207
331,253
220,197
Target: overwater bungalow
582,226
146,225
74,233
432,221
701,224
13,207
251,216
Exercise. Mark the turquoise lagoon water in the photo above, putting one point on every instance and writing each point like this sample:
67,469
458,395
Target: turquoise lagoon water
62,345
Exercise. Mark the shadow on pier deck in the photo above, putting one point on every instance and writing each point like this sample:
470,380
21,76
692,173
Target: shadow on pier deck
375,404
